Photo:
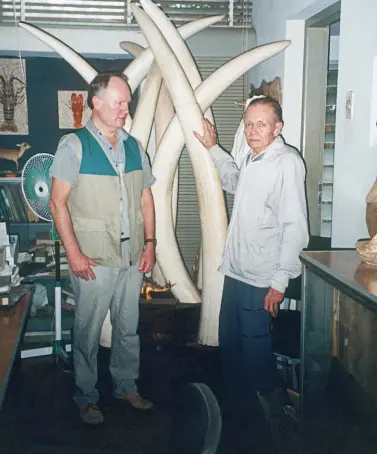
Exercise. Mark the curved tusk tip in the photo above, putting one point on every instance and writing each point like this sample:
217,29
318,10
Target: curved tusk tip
125,45
283,44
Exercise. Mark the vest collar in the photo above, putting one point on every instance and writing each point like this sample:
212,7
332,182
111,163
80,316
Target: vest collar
122,134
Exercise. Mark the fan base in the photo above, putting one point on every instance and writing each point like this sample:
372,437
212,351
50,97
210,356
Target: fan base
61,356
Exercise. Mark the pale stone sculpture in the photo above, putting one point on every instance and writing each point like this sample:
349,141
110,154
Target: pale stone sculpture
367,250
371,212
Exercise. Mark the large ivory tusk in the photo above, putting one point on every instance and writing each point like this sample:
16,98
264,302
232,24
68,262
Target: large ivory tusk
163,116
142,122
137,70
176,43
145,110
132,48
166,160
146,106
87,72
211,199
180,49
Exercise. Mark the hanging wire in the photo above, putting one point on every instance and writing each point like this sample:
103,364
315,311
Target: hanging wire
245,36
22,69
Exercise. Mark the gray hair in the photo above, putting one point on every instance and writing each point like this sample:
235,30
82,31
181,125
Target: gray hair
100,82
268,101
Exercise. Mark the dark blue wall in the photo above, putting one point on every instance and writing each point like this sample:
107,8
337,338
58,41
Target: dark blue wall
45,76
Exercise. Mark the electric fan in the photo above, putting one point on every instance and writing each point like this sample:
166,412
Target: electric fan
36,189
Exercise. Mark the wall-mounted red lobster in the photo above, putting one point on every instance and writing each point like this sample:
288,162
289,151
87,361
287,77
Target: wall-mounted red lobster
10,97
77,105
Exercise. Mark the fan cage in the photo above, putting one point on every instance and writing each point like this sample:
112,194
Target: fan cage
35,181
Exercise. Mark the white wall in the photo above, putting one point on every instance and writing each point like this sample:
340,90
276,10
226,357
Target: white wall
355,159
276,20
269,18
216,42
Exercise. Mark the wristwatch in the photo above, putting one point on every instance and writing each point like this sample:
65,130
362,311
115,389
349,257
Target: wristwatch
151,240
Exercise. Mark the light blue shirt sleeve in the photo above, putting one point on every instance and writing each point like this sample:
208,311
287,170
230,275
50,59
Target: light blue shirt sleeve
292,217
227,168
67,161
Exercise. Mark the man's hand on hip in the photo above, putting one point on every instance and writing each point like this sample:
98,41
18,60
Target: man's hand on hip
272,301
81,265
148,258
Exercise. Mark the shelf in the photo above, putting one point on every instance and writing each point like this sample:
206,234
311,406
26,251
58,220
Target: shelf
10,179
328,152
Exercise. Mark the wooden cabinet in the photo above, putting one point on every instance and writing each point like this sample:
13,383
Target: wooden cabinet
339,333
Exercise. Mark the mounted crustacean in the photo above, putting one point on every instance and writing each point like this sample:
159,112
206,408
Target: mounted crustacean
10,97
77,106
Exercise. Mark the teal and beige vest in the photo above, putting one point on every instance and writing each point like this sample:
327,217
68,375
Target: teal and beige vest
94,202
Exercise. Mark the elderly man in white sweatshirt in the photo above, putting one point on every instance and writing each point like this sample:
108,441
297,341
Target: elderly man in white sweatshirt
266,234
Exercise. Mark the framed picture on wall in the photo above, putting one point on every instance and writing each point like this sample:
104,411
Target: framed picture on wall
73,109
13,100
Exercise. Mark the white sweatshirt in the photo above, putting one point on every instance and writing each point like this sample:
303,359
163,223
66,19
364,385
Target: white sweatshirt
268,228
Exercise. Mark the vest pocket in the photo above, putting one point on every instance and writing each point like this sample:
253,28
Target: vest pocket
90,234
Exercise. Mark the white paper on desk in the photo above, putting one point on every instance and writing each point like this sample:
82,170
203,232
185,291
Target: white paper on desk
4,238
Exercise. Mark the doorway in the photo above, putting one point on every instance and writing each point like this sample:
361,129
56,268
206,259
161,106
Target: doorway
319,118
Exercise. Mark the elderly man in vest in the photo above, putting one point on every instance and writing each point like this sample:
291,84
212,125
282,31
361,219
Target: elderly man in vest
103,210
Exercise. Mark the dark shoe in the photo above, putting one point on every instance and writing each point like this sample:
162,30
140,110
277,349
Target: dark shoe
282,419
91,414
276,403
136,401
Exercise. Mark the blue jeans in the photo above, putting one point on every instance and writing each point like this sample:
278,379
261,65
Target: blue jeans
245,343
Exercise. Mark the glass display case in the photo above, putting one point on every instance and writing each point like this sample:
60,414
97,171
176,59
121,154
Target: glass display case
338,335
